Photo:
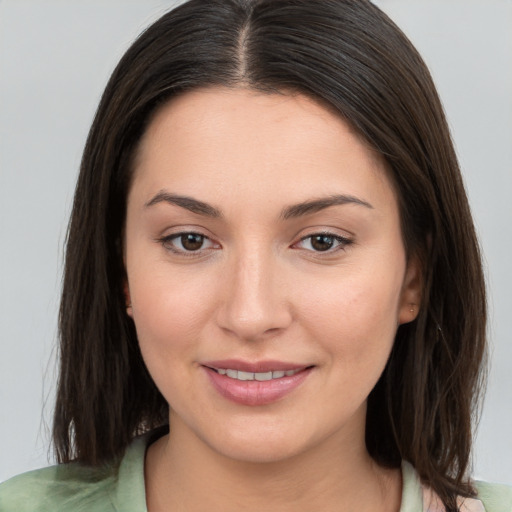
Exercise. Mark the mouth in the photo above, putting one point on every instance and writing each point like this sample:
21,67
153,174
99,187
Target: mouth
259,376
255,383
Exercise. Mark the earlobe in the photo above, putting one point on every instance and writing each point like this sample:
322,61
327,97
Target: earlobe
412,288
127,299
126,288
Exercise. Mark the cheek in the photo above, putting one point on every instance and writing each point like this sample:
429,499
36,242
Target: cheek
169,311
355,320
364,299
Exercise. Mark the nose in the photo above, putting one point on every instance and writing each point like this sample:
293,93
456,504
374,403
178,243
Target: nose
255,303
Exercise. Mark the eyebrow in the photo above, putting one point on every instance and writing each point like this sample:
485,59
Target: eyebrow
316,205
290,212
189,203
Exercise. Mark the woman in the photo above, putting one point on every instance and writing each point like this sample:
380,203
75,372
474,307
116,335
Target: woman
271,252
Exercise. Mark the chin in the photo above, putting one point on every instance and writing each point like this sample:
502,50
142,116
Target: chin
259,452
260,443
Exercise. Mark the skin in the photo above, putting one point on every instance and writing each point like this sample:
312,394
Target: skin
259,289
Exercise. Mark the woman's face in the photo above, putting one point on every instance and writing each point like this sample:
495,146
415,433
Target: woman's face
266,271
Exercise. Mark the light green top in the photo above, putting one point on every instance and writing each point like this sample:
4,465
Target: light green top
72,487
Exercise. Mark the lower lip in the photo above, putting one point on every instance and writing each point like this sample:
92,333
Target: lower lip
254,392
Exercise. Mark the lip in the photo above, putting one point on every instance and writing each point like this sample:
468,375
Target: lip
255,367
254,392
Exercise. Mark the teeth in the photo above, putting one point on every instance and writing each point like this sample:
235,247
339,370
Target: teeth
263,376
260,376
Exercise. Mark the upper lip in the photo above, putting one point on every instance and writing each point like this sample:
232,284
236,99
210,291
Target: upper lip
254,366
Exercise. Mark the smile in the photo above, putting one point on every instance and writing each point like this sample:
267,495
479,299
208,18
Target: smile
259,376
255,384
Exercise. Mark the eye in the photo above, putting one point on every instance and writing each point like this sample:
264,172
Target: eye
323,242
187,242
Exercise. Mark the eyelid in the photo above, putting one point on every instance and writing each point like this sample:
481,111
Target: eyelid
342,242
166,242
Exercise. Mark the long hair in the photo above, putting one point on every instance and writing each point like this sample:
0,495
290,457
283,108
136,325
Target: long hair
351,57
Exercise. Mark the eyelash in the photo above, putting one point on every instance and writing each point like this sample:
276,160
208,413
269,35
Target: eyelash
167,243
342,242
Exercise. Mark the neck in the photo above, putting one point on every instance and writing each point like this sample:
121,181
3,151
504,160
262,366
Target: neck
183,473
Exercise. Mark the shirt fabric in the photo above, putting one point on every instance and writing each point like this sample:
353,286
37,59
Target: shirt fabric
77,488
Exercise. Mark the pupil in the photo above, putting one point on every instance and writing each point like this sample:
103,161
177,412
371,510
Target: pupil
322,242
192,241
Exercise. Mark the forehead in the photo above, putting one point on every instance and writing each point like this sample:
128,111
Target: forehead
242,139
256,113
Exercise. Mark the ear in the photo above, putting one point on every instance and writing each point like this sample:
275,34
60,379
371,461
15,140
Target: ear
412,288
127,298
126,286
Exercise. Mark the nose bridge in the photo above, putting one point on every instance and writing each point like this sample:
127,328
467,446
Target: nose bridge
255,302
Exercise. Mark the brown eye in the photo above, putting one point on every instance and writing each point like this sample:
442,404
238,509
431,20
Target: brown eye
187,243
191,241
322,242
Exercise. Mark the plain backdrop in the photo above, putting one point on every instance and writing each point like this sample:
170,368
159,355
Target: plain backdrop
55,59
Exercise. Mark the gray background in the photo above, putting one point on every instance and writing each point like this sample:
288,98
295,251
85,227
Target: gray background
55,58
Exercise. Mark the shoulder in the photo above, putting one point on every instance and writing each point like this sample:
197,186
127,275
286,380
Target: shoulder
78,488
59,488
418,496
495,497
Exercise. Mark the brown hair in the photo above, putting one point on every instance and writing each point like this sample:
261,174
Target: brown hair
350,56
